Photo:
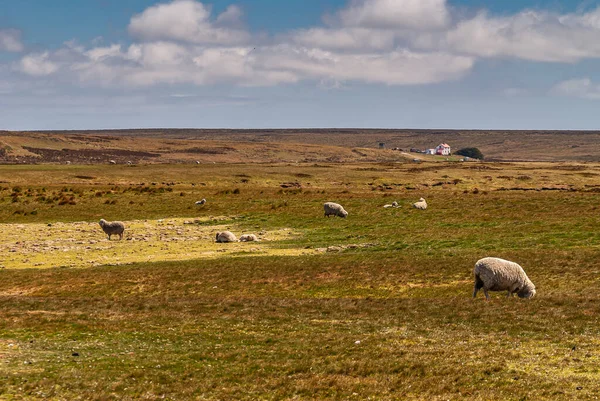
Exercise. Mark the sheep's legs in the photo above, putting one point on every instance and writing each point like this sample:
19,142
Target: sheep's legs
477,286
487,296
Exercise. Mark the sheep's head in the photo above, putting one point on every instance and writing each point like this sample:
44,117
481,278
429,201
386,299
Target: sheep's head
526,292
102,222
422,200
217,237
343,213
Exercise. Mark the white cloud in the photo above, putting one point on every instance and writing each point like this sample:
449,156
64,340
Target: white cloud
232,16
529,35
399,67
582,88
10,40
100,53
188,21
38,64
392,42
346,39
414,14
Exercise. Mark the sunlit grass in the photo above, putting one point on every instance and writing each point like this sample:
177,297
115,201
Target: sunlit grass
385,313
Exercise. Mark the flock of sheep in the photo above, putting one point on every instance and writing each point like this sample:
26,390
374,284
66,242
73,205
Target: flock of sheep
491,274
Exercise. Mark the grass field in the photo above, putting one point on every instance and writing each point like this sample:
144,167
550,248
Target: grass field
376,306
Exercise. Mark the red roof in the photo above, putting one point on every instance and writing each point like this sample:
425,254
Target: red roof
445,145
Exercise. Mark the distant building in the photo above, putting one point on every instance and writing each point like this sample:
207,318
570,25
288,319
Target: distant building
443,150
430,152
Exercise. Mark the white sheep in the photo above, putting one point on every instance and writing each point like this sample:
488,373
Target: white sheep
248,238
112,162
201,202
226,236
495,274
334,209
393,204
112,227
421,204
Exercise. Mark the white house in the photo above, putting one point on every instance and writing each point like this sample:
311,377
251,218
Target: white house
443,149
430,152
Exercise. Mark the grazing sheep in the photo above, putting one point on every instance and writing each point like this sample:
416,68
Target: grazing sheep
248,238
335,209
201,202
421,204
495,274
112,162
226,236
394,204
112,227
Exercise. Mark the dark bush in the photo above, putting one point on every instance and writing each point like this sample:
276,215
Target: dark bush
470,152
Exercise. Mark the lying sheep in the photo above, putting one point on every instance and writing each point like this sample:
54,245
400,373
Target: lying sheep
112,227
421,204
248,238
394,204
226,236
201,202
495,274
334,209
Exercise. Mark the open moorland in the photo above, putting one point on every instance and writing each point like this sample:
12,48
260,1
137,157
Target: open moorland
291,145
375,306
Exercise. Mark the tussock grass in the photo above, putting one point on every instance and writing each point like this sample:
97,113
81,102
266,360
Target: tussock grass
392,320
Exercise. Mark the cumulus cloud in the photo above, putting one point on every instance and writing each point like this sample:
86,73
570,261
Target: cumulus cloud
392,42
346,39
415,14
10,40
582,88
180,43
188,21
528,35
38,64
149,64
400,67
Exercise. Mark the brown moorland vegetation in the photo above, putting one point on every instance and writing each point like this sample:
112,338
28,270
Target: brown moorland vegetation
299,145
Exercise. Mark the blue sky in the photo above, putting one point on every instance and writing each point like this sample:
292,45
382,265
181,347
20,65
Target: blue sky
505,64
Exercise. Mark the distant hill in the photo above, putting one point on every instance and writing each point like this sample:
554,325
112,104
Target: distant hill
286,145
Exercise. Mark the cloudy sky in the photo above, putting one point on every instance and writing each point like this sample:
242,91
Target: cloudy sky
505,64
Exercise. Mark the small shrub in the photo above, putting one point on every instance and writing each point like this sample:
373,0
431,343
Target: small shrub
473,153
